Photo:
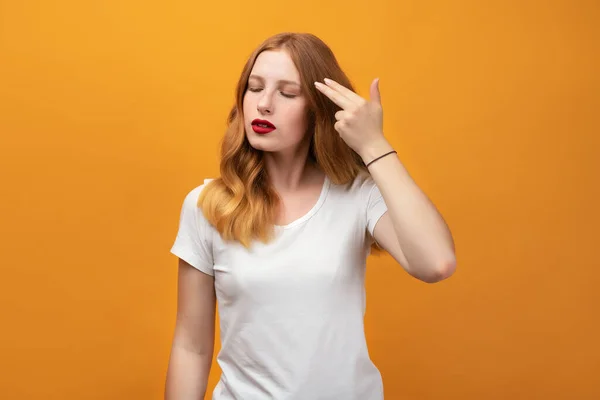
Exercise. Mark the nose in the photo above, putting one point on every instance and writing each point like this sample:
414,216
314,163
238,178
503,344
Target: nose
264,105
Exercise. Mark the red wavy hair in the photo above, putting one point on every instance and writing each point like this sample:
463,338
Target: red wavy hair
241,204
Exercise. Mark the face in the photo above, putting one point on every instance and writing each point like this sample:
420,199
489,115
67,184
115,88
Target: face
275,115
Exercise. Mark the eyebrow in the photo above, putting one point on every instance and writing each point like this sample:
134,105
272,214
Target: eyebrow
285,81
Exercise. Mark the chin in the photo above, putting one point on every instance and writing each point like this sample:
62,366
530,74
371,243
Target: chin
258,142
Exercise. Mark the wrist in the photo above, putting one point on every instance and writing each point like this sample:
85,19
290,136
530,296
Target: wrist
374,150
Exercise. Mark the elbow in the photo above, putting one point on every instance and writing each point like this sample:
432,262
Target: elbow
440,271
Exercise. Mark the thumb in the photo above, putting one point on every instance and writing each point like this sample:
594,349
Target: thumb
375,94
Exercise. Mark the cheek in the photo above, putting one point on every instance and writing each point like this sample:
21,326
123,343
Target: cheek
298,117
246,106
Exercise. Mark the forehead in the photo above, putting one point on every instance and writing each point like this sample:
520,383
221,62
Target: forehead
275,65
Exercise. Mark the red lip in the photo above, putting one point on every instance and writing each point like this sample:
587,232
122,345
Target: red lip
263,122
264,127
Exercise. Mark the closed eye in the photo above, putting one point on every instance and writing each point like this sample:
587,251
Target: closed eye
287,95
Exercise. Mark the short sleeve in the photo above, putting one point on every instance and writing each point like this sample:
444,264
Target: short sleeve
193,243
375,205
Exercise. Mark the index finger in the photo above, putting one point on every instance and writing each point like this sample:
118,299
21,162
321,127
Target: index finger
345,91
334,95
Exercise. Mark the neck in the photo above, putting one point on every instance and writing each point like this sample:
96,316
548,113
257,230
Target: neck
290,172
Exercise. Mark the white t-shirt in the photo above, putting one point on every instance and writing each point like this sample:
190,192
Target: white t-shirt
291,311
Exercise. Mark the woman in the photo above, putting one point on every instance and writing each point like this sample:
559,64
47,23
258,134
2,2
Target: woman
308,184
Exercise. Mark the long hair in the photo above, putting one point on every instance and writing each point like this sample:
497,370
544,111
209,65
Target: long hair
241,204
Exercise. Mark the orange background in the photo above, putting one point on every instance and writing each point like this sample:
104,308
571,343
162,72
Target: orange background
111,111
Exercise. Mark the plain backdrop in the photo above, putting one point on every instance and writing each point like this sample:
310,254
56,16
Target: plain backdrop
110,112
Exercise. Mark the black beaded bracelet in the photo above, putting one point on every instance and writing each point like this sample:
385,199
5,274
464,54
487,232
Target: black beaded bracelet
386,154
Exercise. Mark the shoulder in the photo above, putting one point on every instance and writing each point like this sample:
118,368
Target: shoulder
359,188
190,209
192,196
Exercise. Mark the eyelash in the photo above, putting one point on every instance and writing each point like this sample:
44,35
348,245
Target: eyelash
289,96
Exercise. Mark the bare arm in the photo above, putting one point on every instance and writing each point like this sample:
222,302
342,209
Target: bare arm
412,231
193,341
